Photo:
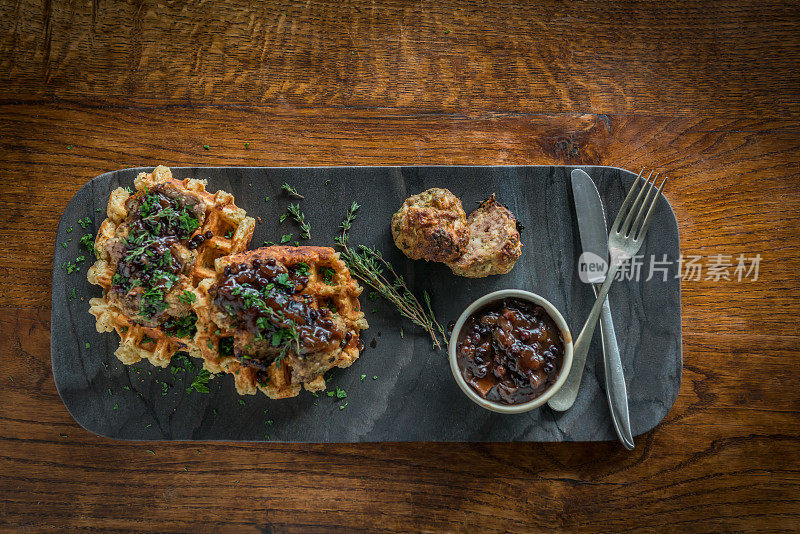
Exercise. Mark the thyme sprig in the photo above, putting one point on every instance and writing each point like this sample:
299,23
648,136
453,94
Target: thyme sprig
300,218
291,191
369,265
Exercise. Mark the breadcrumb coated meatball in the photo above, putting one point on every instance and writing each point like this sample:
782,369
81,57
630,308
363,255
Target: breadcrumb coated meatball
431,226
494,244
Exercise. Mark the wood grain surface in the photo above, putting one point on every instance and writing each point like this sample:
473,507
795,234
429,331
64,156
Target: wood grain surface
708,94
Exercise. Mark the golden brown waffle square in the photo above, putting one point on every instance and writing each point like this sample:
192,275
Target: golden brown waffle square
221,228
251,299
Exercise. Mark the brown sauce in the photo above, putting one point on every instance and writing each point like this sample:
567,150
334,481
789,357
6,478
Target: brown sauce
264,299
148,268
510,351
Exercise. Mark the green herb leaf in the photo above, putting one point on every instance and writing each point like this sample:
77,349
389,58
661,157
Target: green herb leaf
291,191
200,382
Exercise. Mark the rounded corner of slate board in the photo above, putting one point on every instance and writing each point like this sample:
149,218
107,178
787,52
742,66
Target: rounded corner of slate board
405,365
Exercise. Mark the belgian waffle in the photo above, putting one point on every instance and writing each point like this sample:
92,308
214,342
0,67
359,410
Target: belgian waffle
222,228
318,289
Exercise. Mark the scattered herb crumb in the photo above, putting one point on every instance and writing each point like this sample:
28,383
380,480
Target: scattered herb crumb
63,435
246,145
266,199
87,345
286,238
69,147
151,452
342,406
339,393
363,377
241,402
374,377
116,406
207,147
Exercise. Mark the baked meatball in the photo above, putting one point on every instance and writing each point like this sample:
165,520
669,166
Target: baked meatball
494,244
431,226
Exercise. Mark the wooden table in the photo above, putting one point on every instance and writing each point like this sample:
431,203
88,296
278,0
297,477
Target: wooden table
708,94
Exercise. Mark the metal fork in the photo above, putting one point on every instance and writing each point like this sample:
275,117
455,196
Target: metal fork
624,241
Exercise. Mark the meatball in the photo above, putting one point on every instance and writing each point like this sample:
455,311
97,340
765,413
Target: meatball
494,244
431,226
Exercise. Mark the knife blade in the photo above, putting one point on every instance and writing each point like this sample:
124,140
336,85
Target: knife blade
593,265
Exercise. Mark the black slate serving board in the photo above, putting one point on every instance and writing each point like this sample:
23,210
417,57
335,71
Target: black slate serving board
400,389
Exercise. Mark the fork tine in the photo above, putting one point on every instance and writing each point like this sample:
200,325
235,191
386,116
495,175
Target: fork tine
634,208
643,208
646,223
625,203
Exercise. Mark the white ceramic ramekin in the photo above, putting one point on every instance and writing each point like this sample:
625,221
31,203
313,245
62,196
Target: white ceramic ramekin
565,367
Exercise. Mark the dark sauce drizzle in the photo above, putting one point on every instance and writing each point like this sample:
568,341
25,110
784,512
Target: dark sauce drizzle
147,269
264,299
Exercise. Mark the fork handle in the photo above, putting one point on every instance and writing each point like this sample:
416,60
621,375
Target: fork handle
565,397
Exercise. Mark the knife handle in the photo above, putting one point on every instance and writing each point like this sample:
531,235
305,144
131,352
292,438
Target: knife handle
615,379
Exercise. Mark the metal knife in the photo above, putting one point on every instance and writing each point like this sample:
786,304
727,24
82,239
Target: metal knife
594,245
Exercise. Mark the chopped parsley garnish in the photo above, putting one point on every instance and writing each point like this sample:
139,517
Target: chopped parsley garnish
207,147
183,327
200,382
87,240
339,393
286,238
301,268
187,296
327,276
